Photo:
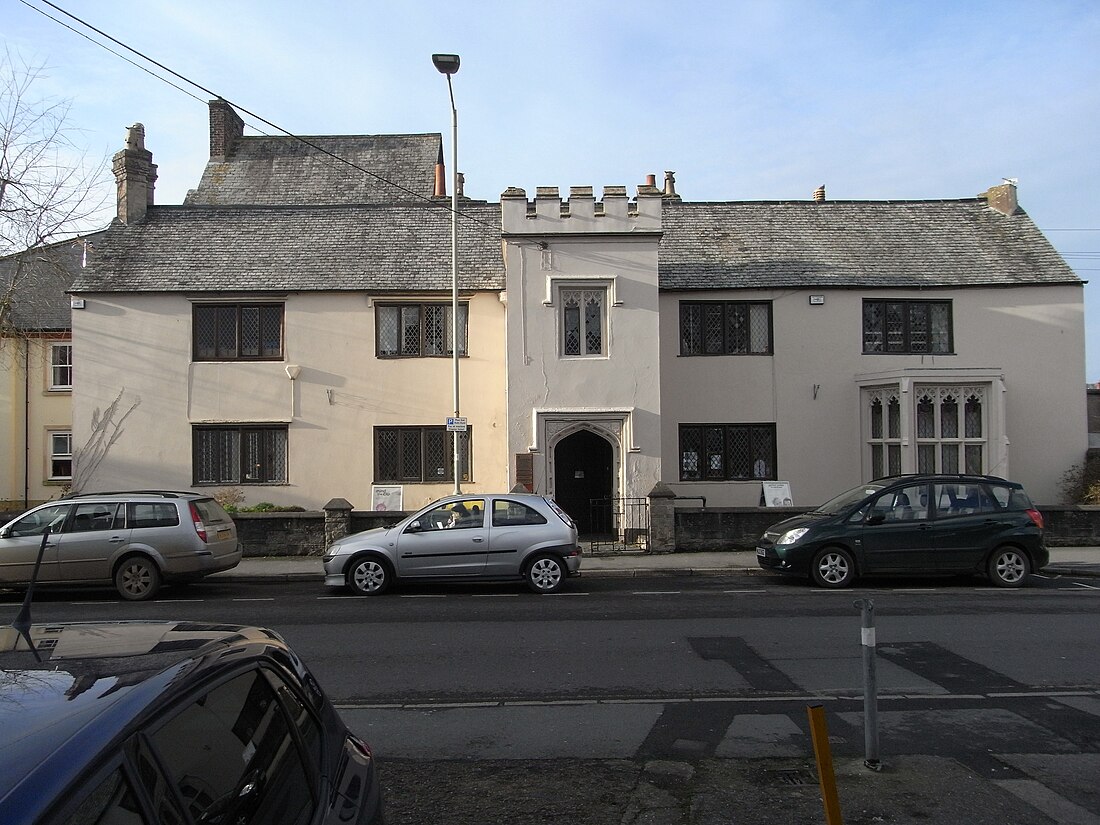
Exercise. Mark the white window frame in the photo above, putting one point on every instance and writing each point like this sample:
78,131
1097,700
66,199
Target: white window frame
61,367
63,454
907,388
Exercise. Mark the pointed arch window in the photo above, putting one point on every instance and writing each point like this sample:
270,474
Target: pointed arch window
583,322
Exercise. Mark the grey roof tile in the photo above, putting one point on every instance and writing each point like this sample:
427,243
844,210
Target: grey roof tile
269,171
44,275
298,248
877,244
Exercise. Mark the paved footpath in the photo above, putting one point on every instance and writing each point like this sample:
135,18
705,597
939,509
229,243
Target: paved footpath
1070,561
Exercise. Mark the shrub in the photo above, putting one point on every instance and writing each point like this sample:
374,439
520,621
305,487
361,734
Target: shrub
1081,482
230,498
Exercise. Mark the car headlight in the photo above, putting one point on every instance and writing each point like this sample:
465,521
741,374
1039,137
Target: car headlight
791,536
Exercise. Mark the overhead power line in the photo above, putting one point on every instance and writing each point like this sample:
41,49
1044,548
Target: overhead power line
237,106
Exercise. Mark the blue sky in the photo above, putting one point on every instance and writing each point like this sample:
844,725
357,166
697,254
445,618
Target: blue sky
744,100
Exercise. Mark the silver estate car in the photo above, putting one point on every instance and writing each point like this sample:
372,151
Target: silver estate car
134,540
477,536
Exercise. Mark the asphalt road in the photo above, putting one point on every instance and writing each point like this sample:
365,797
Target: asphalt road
619,675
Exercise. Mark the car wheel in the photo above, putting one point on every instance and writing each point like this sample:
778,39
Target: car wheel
833,567
137,578
545,574
1008,567
369,576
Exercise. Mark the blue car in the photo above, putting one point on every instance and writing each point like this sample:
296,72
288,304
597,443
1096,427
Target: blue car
172,723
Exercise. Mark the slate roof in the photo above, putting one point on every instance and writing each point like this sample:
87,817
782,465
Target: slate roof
44,276
876,244
298,248
269,171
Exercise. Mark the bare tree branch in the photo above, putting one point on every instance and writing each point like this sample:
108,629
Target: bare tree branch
49,188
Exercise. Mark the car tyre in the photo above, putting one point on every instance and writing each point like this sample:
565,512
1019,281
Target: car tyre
1009,567
137,578
369,576
834,568
545,574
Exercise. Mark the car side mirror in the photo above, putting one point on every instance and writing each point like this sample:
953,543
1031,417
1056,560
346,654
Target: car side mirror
414,527
876,518
5,532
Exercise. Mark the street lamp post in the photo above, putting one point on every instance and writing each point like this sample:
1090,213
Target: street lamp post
448,65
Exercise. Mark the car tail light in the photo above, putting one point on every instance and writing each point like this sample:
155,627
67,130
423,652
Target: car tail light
1036,517
200,528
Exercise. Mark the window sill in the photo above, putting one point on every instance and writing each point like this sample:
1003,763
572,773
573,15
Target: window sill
241,483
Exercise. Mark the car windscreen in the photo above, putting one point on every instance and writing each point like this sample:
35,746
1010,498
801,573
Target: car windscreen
848,498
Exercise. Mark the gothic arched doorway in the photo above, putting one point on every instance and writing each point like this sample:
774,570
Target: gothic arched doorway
583,480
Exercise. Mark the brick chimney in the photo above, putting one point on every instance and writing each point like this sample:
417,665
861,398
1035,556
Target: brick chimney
135,174
1002,198
226,128
440,188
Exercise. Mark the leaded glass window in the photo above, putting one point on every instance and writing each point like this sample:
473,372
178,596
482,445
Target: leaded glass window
230,332
900,327
582,321
725,328
723,452
418,330
943,433
884,442
419,454
239,454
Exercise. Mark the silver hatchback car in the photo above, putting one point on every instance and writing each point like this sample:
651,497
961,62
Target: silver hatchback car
135,540
477,536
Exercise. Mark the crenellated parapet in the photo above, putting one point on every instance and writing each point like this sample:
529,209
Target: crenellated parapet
581,213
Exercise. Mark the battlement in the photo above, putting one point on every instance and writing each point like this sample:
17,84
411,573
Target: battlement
581,213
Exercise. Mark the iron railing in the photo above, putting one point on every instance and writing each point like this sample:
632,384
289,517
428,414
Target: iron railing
618,525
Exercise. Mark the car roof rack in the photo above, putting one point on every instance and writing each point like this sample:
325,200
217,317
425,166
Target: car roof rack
161,493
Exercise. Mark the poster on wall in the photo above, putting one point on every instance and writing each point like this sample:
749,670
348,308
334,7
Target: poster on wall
386,498
776,493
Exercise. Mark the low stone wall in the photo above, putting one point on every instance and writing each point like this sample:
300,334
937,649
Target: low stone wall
738,528
1071,525
726,528
298,534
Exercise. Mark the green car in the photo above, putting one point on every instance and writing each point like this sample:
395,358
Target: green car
912,525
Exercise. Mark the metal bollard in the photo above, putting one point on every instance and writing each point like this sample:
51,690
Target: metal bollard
870,685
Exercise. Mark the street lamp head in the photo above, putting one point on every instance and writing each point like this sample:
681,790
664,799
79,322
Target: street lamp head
446,63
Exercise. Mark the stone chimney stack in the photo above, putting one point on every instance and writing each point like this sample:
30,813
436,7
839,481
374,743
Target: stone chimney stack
226,128
819,193
1002,198
670,187
135,175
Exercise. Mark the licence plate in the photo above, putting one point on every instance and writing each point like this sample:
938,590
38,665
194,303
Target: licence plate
761,552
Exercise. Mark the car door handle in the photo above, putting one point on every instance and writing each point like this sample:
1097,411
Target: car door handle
116,539
479,539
